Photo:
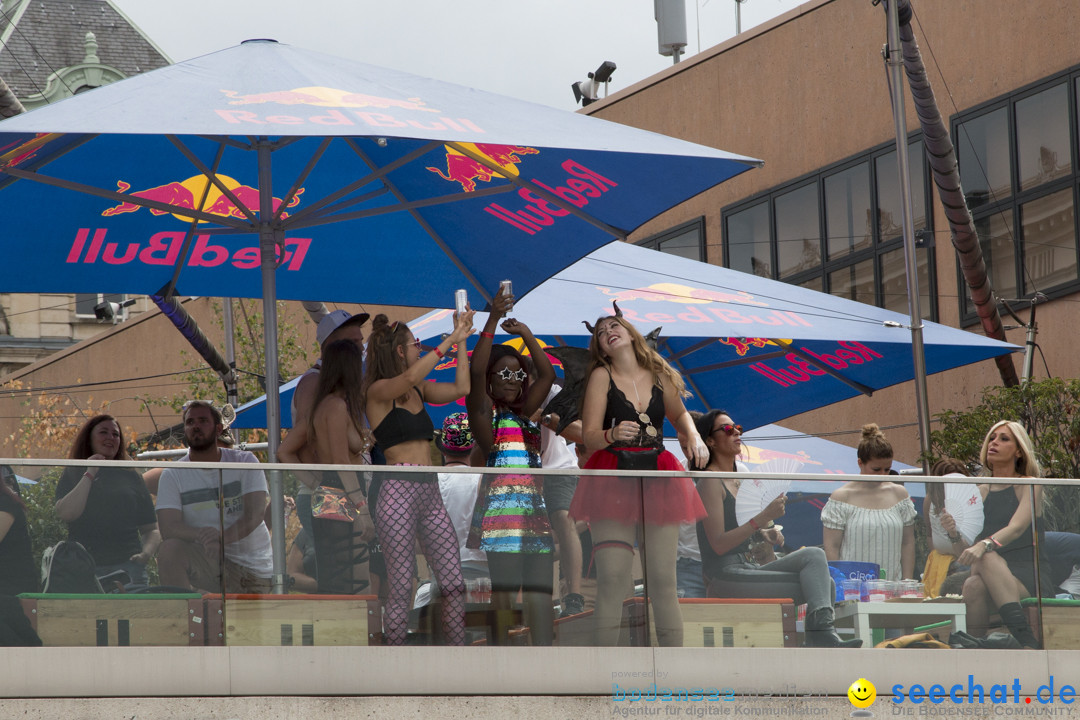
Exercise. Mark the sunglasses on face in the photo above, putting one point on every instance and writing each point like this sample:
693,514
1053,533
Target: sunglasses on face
729,429
508,374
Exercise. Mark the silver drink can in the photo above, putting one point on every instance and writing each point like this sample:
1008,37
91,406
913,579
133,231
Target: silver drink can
461,300
507,289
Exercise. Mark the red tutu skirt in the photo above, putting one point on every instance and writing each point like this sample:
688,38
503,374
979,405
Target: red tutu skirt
665,501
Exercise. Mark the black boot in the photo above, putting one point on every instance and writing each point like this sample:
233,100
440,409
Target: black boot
820,631
1014,618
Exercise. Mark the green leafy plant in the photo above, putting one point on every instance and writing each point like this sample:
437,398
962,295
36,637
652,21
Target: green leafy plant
1048,409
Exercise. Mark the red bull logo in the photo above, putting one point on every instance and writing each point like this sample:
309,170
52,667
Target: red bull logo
14,154
800,369
743,345
682,294
187,193
754,455
326,97
702,305
466,171
342,107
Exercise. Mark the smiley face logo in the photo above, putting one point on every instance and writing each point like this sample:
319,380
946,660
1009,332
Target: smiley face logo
862,693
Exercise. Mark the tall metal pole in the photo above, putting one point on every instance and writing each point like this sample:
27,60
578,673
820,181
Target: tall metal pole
270,239
895,62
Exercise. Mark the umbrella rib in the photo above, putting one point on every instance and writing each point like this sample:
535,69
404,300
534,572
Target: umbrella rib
693,348
33,166
864,389
735,363
312,162
121,198
453,256
682,371
297,219
406,206
536,189
212,177
170,288
226,140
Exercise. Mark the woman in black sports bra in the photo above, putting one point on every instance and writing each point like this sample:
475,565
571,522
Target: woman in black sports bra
410,507
629,392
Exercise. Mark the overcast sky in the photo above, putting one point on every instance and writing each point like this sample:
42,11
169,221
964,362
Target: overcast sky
531,49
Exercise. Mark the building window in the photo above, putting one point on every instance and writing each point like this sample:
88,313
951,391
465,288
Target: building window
85,302
686,240
1018,160
839,231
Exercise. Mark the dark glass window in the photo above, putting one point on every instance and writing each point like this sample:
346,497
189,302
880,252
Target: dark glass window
847,211
1042,137
686,240
751,253
798,232
1017,158
839,231
985,164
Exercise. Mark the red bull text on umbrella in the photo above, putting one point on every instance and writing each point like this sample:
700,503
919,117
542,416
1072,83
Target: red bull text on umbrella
800,370
163,248
355,105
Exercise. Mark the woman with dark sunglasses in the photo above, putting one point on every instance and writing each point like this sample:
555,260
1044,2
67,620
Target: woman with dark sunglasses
725,544
629,392
511,522
410,507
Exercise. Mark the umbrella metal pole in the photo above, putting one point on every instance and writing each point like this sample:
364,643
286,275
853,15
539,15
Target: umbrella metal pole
232,392
269,238
895,62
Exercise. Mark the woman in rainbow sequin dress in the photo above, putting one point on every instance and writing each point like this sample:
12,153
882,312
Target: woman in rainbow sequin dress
511,523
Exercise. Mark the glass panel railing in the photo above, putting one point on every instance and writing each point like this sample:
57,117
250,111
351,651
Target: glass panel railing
526,577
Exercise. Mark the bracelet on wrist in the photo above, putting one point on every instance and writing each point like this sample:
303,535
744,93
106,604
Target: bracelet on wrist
955,538
486,334
753,524
438,353
995,541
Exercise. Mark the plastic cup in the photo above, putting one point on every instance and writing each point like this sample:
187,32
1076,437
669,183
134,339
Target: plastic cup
852,589
878,590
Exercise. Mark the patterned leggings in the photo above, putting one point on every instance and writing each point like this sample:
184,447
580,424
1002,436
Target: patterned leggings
408,510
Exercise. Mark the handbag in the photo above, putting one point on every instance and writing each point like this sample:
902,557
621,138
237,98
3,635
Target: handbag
331,503
636,459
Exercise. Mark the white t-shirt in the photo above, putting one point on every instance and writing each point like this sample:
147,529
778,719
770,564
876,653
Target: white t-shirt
554,452
459,492
195,493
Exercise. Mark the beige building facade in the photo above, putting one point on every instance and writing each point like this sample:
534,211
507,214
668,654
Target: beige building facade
808,93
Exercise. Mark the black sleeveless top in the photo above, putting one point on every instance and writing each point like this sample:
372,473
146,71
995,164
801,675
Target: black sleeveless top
401,426
998,509
711,562
620,409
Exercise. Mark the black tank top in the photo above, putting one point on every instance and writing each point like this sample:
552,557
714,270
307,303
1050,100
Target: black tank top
401,426
620,409
998,509
711,562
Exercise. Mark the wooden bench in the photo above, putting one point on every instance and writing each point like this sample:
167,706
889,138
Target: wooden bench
707,622
63,620
295,620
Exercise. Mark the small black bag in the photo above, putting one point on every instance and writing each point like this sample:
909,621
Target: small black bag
67,567
636,459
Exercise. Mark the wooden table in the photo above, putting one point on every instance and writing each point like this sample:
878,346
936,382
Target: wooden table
863,616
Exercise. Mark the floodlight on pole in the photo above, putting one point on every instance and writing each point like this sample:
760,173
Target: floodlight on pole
587,91
111,311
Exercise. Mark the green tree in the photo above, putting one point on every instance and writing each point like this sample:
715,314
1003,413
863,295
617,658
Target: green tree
1048,409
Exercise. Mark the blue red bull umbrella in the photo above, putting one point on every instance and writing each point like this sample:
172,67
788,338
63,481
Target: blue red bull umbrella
265,170
763,349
